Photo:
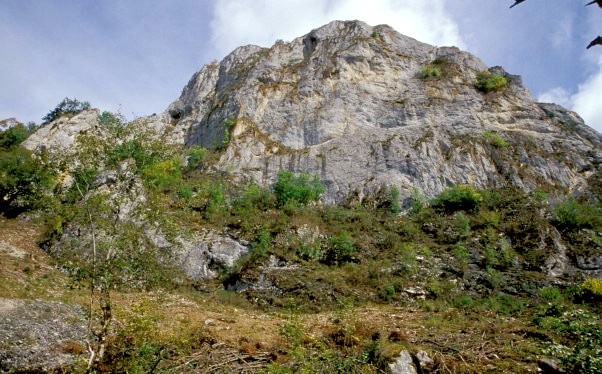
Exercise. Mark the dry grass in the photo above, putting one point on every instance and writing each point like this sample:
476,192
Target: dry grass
25,270
221,333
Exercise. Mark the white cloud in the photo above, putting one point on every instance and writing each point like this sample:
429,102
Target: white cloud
240,22
586,101
557,95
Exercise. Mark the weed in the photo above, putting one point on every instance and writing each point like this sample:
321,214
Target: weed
550,294
228,125
592,289
430,71
488,82
495,139
460,197
461,253
418,201
297,189
393,198
195,156
573,215
341,248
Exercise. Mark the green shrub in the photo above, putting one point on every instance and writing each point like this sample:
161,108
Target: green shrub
418,201
505,304
24,181
463,224
495,139
110,120
129,149
579,346
430,71
387,293
228,126
163,175
298,189
460,197
310,251
254,197
550,294
592,289
195,156
341,248
461,253
489,82
217,203
13,136
186,191
66,107
393,204
574,215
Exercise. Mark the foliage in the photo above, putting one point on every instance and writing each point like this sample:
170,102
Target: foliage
163,174
254,197
24,181
393,203
430,71
495,139
66,107
13,136
574,215
109,119
460,197
489,82
578,342
228,126
297,189
418,201
550,294
592,289
195,156
341,248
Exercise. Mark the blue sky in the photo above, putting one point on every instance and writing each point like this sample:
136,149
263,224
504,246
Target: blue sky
135,56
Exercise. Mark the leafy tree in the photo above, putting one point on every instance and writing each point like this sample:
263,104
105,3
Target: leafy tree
66,107
13,136
23,181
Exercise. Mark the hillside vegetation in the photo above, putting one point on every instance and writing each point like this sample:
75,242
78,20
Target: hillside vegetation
479,280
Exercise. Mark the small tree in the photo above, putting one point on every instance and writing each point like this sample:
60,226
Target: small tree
66,107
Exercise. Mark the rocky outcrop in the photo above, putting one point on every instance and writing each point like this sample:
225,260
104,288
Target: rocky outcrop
203,255
347,102
62,133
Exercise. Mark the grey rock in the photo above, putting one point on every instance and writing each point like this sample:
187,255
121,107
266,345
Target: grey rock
40,336
549,366
557,262
404,364
62,133
425,362
346,102
203,256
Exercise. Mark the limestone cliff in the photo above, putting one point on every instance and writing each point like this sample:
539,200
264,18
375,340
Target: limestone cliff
347,102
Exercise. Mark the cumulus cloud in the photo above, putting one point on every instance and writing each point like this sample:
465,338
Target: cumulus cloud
586,101
261,22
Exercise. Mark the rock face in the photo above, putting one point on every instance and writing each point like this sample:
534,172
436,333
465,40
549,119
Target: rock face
62,133
347,102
